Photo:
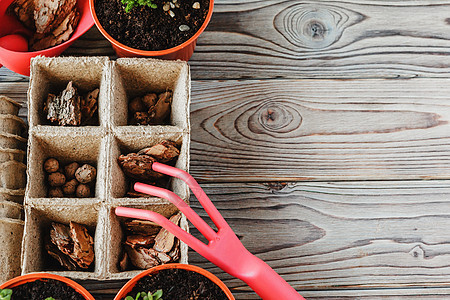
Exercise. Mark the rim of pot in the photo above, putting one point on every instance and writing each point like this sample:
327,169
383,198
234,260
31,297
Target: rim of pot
146,52
19,280
132,282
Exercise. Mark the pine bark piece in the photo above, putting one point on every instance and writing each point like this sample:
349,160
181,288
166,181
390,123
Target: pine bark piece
49,14
64,108
140,118
175,252
139,167
24,10
163,257
161,110
89,105
60,237
83,245
63,260
164,240
58,35
134,194
140,241
141,227
162,152
124,262
142,258
149,100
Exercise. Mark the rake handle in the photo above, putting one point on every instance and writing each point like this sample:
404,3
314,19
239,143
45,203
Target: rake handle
267,283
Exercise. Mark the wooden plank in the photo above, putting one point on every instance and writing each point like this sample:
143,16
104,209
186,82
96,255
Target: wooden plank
322,236
366,294
92,43
7,76
317,129
324,39
320,130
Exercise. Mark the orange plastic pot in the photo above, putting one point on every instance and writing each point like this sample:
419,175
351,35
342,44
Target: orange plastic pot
183,51
130,284
18,61
43,276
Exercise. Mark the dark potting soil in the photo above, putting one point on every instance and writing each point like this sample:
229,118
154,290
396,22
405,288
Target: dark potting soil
39,290
179,284
151,29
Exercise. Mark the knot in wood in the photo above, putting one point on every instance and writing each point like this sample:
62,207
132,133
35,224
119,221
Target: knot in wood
417,252
315,30
314,26
275,118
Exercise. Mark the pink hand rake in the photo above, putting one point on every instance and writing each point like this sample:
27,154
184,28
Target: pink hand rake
224,248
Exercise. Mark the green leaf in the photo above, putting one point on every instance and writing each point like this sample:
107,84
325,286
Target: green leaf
5,294
49,298
130,4
158,295
129,298
138,295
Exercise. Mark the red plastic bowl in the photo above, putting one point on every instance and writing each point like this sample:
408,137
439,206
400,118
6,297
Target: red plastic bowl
130,284
183,51
35,276
19,62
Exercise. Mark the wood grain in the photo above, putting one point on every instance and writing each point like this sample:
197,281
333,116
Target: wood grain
320,130
325,39
322,236
352,240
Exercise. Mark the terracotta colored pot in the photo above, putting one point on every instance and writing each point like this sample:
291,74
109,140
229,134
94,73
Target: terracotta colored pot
183,51
35,276
19,62
130,284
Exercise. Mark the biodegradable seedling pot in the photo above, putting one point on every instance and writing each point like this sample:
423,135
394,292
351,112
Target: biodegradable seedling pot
19,61
183,51
43,276
100,146
130,284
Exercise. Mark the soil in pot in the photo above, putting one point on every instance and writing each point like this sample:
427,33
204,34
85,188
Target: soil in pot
170,24
42,289
179,284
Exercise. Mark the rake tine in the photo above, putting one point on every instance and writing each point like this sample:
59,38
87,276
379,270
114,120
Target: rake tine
209,207
187,238
195,219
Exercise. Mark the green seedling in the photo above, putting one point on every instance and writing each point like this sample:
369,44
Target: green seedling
130,4
146,296
50,298
5,294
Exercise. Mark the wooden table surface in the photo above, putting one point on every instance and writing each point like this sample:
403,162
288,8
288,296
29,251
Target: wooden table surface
320,129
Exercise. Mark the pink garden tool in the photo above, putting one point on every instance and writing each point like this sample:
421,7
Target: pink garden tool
224,248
